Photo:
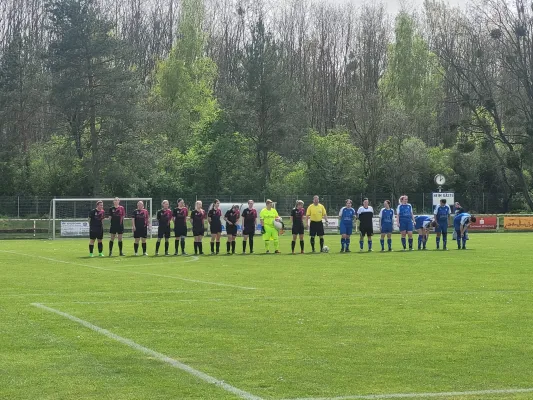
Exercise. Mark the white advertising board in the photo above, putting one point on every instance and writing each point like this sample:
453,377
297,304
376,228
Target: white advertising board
74,228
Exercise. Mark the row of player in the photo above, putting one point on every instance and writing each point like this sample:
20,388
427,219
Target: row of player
271,225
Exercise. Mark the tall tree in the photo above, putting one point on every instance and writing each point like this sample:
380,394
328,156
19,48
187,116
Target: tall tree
92,88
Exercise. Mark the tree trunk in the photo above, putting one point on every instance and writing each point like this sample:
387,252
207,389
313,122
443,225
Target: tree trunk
95,163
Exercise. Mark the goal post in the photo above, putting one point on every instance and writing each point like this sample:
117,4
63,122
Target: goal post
69,216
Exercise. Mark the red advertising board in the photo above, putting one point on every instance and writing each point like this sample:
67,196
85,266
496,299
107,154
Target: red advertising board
484,223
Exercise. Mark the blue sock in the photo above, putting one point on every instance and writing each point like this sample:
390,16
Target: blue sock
458,241
444,239
370,245
464,241
410,243
382,242
343,241
425,241
361,244
347,244
389,242
403,243
420,240
438,243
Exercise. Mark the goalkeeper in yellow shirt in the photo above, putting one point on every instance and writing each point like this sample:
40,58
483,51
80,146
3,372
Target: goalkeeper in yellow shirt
267,216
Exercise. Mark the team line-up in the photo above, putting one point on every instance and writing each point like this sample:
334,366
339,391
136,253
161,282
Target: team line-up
272,225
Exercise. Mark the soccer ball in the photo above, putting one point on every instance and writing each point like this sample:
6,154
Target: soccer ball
325,249
278,224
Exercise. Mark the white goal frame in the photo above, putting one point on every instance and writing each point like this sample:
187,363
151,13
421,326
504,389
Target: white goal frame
54,202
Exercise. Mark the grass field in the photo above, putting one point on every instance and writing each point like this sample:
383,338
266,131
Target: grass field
349,326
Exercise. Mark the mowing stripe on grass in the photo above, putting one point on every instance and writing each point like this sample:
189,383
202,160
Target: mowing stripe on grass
420,395
105,293
133,272
152,353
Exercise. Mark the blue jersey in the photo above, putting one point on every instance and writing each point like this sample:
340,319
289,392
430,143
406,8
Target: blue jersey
461,220
442,213
422,221
347,215
386,216
405,212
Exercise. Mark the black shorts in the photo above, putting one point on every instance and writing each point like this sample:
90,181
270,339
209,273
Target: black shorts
298,229
180,230
231,230
140,233
116,229
163,231
96,235
248,230
198,231
367,230
316,228
214,229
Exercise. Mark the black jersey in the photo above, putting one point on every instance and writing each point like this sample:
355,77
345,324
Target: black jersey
141,218
96,218
164,217
249,216
117,215
215,216
197,218
297,215
180,216
233,216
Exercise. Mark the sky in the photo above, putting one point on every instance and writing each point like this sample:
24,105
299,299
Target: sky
393,6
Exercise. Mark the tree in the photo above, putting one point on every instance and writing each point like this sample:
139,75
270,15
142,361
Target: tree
92,88
413,79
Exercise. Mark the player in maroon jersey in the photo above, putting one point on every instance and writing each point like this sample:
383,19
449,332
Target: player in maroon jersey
297,219
180,226
249,220
140,224
198,216
116,215
215,225
164,216
96,228
232,217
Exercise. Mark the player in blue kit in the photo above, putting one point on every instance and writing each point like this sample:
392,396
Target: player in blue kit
346,216
461,222
422,225
442,214
406,220
386,219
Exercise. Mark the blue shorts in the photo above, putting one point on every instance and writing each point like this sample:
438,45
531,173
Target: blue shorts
442,227
386,228
406,225
346,229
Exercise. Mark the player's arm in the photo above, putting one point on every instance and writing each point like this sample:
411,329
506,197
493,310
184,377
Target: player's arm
325,217
133,224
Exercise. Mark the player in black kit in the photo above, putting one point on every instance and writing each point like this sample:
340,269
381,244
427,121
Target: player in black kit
116,215
231,217
140,223
249,219
164,216
198,227
96,228
180,226
298,229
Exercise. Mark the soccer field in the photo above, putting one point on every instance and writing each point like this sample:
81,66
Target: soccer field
454,325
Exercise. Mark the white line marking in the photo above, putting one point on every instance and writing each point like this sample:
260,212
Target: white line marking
77,294
132,272
159,356
420,395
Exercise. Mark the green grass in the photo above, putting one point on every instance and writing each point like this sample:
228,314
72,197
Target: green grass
319,325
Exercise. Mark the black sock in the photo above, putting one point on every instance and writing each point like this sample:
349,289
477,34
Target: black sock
91,248
157,244
100,247
111,243
228,245
313,243
302,245
251,243
321,243
195,247
293,245
212,247
166,247
201,247
233,244
182,245
120,246
244,246
218,247
136,247
176,246
144,247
